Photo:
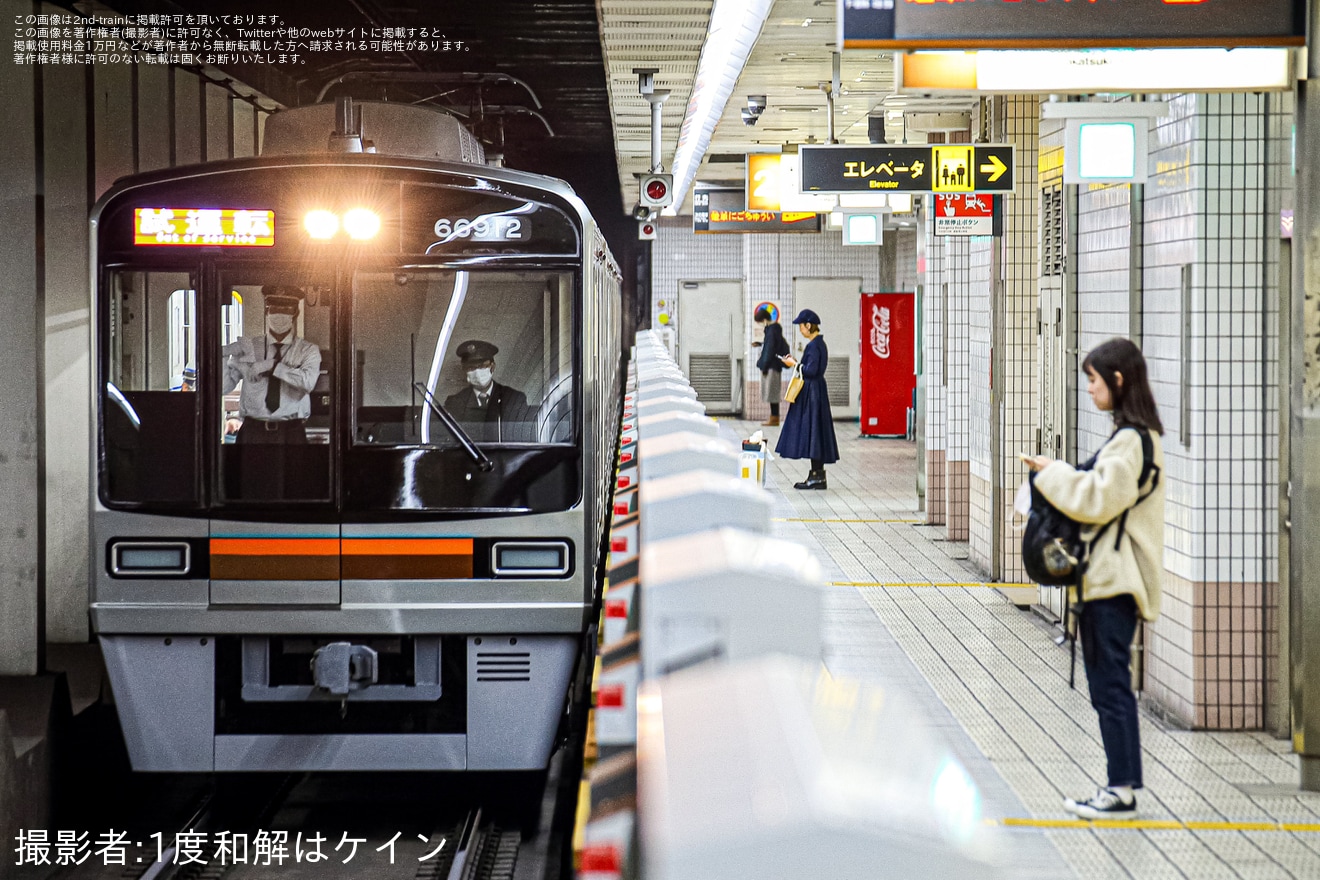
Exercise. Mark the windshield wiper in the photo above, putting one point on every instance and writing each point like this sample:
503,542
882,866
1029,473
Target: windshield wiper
483,461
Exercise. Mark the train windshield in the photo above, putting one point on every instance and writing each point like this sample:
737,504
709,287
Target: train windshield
272,384
492,349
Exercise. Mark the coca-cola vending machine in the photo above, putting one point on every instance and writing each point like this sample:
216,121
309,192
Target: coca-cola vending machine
888,362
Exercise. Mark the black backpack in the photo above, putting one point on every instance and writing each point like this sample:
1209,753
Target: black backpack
1053,552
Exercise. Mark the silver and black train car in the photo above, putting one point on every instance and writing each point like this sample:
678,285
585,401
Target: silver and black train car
352,450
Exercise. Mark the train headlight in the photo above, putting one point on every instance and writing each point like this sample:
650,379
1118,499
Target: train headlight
529,558
321,224
361,224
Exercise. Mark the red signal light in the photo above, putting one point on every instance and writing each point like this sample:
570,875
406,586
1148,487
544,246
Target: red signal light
656,189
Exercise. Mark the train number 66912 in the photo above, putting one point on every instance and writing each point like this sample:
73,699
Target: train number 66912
484,228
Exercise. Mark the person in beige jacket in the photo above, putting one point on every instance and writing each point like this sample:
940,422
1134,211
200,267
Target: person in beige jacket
1124,571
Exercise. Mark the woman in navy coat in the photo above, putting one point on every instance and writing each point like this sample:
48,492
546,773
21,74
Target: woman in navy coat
808,427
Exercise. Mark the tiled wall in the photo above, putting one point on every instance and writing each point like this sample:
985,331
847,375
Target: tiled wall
930,260
1218,176
1211,204
1015,308
956,280
979,467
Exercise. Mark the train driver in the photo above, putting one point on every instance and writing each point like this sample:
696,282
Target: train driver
489,411
278,370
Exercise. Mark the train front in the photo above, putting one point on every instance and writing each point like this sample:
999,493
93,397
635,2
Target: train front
339,501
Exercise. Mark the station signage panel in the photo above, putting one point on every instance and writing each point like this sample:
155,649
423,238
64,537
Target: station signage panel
928,168
966,215
724,209
1059,24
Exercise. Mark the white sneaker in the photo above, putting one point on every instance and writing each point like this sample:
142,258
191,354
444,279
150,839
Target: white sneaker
1104,804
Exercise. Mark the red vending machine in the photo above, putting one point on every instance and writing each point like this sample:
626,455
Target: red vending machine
888,361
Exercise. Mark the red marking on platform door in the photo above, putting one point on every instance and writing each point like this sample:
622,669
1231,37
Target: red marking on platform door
610,696
601,857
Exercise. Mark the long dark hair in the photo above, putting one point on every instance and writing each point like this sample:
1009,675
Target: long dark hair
1133,402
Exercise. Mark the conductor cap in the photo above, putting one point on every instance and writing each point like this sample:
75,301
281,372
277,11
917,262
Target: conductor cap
281,299
474,351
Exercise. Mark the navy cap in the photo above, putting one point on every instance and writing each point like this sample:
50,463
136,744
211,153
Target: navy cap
807,316
475,351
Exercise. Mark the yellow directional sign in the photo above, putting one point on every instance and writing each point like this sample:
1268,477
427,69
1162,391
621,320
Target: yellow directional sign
953,169
907,168
994,169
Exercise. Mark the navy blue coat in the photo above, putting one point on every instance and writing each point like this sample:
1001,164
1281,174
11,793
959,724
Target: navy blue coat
809,428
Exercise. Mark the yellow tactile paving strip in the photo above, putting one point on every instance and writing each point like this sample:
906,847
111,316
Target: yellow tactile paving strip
1004,680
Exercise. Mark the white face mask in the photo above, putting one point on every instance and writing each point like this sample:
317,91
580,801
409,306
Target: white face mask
279,324
479,378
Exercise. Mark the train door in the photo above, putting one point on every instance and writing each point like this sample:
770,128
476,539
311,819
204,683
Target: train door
838,302
711,342
274,422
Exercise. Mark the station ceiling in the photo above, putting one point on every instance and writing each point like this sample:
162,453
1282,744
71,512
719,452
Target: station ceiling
577,57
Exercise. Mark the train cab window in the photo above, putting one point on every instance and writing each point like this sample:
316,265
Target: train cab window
494,350
274,397
149,413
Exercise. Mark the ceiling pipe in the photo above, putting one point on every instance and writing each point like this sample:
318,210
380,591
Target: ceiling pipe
386,76
656,98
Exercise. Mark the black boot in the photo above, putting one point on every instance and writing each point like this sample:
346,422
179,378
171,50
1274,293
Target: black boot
815,480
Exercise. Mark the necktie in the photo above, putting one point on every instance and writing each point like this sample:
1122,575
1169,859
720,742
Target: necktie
273,384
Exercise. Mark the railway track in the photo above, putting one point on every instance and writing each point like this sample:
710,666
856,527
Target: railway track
370,826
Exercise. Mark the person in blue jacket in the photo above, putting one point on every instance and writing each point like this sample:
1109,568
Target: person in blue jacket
809,428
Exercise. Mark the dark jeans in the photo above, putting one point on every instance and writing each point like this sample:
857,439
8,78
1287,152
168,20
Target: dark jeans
1106,628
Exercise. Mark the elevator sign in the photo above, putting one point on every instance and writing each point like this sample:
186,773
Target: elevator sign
1063,24
929,168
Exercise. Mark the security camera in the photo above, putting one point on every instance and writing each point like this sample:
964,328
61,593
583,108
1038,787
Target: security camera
756,104
748,117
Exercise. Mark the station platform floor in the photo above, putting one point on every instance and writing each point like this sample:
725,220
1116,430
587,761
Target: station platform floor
989,675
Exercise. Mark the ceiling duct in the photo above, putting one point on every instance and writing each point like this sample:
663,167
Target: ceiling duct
945,121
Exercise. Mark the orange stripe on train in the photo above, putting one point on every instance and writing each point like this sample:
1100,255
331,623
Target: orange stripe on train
274,546
407,547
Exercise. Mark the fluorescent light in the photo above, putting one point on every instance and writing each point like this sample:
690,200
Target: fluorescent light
900,203
863,200
791,197
1099,70
734,27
